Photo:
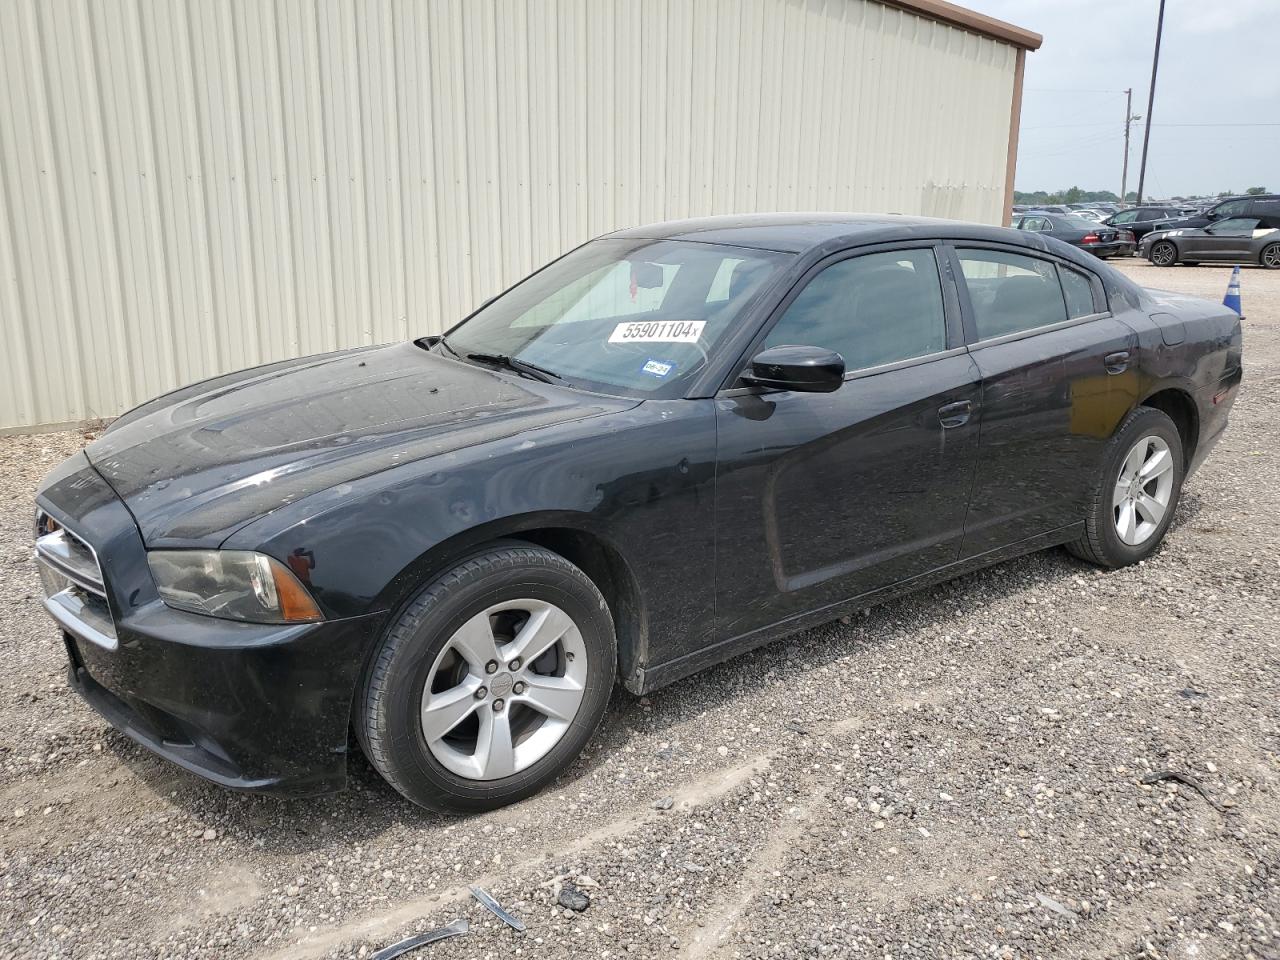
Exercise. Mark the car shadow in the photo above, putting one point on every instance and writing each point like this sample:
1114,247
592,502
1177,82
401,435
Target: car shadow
369,807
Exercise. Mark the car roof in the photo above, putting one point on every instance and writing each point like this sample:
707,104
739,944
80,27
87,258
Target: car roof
800,232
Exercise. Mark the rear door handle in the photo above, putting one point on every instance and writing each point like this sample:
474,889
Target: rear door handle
1116,362
955,414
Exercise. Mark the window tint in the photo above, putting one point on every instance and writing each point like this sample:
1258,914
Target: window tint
872,309
1232,208
1237,227
1011,293
1125,216
1078,292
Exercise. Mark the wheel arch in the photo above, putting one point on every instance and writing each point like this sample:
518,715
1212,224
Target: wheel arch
563,533
1173,242
1180,407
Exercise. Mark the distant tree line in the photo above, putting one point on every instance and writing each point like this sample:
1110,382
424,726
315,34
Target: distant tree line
1076,195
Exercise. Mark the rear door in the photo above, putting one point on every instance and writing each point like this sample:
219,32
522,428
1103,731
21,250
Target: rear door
821,497
1057,378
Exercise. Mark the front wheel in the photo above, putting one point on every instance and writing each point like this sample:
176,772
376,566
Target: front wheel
1271,257
1164,254
490,681
1137,492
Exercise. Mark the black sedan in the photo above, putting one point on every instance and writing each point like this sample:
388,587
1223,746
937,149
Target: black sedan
671,445
1238,240
1100,240
1140,221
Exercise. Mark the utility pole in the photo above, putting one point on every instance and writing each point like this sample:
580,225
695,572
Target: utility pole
1129,117
1151,100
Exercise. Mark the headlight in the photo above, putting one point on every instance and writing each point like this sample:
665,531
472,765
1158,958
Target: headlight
233,584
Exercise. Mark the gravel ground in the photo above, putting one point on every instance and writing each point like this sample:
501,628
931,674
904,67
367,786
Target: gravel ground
957,774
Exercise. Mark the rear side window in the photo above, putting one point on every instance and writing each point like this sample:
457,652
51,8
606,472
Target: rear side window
874,309
1078,292
1011,293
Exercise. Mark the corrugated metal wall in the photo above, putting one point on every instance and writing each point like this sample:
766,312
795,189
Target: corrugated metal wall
191,187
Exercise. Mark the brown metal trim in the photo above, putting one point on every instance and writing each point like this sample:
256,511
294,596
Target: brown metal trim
1015,122
971,20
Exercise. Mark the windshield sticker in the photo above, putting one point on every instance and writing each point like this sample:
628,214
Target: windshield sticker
658,331
658,368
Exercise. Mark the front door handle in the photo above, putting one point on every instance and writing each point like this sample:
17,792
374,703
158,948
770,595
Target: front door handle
955,414
1116,362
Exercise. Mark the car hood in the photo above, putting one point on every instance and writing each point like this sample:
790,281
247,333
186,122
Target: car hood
197,464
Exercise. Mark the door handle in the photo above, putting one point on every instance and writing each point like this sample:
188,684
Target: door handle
1116,362
955,414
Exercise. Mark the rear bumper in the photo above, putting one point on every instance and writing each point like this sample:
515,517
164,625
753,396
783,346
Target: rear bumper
1109,249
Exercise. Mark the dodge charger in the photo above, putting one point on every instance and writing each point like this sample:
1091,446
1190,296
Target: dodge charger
671,445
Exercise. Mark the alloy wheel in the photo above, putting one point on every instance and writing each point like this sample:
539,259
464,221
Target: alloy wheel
1163,254
1271,256
504,690
1143,490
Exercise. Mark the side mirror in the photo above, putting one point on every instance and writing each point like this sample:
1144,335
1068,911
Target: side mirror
799,368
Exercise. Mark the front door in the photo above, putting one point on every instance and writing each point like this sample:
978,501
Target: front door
823,497
1058,376
1229,240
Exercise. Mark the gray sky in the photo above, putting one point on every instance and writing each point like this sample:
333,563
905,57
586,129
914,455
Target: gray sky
1217,66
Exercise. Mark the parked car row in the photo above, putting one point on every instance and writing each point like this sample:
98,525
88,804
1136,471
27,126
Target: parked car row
1232,230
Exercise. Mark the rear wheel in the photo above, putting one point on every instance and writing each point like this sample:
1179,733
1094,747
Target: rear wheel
1137,492
490,682
1164,254
1271,257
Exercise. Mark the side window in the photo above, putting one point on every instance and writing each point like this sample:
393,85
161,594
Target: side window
1011,293
1236,227
1268,213
873,309
1125,216
1078,292
1232,208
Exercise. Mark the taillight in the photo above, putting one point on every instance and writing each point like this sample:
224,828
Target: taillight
1090,238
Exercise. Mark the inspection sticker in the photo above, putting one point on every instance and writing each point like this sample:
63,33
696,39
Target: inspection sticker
658,331
659,368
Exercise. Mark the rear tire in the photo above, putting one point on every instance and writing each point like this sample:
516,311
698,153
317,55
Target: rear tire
1164,254
1270,257
449,669
1137,492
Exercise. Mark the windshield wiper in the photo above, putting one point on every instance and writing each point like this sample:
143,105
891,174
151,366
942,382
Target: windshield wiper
516,364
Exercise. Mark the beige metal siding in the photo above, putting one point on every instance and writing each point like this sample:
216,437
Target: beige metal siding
192,187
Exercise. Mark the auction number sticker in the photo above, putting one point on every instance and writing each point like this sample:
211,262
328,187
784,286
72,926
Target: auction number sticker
658,331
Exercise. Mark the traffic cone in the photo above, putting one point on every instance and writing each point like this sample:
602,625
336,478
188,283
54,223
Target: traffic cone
1232,299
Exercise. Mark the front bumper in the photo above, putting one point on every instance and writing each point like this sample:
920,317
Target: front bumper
248,706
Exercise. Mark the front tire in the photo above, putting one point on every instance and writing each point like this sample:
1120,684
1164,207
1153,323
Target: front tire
1137,492
1270,257
1164,254
489,682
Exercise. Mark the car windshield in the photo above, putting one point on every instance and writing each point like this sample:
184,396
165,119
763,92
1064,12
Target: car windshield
634,317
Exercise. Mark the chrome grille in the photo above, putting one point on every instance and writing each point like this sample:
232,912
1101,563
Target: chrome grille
75,593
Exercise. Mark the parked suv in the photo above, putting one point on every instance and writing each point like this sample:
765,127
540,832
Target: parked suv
1142,220
1264,206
